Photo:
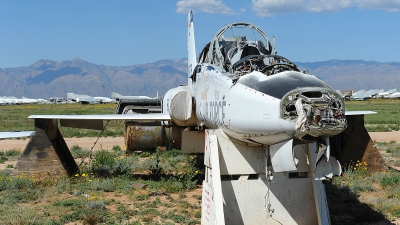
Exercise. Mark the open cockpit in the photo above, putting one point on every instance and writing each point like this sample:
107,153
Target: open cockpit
241,48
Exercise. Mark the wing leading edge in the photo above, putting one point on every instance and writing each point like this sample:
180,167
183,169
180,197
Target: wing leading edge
352,113
16,134
96,121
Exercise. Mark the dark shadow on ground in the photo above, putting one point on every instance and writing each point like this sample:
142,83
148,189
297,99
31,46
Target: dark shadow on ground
345,208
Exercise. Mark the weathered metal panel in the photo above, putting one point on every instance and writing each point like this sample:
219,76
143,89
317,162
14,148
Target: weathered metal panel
213,190
216,180
246,202
300,153
207,150
207,205
319,190
193,142
138,137
282,156
238,157
85,124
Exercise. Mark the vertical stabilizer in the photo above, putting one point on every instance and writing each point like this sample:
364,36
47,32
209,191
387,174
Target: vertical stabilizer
191,47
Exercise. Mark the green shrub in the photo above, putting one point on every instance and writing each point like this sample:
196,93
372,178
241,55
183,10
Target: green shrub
104,159
107,185
12,153
116,148
3,158
390,179
8,182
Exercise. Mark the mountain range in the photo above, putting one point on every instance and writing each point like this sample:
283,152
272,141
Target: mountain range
47,78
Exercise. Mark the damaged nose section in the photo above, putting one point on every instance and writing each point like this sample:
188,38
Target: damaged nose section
316,111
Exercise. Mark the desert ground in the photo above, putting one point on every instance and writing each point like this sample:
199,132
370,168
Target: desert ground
109,142
102,143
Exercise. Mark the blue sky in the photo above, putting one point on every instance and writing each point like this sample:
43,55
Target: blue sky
122,33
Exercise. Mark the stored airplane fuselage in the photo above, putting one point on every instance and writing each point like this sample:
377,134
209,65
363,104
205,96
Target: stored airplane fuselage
241,86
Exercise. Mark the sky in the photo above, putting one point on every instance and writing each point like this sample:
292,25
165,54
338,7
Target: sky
123,33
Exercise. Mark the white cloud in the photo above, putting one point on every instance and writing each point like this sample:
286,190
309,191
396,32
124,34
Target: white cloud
207,6
266,8
388,5
327,5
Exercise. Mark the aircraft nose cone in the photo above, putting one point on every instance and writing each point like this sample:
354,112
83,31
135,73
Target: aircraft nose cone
314,108
317,111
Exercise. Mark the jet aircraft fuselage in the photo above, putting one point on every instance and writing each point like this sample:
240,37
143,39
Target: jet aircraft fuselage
241,86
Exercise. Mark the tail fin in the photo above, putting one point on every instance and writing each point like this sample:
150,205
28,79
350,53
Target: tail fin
191,47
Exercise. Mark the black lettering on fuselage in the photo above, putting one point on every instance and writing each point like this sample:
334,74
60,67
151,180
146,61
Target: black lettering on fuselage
213,112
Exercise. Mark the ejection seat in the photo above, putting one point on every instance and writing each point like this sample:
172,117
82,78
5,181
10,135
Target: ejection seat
242,48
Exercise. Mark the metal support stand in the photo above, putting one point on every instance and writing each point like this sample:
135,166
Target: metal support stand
240,186
46,152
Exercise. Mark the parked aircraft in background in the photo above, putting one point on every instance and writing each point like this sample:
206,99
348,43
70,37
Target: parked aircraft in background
394,95
25,100
86,99
363,95
9,100
19,101
386,94
117,97
359,95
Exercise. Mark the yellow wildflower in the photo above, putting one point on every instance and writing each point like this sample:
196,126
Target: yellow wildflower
76,175
90,180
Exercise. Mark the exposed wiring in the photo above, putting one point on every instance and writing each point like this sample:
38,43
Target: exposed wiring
267,203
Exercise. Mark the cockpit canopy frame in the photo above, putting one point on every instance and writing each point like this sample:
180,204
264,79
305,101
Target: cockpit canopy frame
235,41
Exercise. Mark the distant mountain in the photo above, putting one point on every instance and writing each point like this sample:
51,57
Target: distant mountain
47,78
355,74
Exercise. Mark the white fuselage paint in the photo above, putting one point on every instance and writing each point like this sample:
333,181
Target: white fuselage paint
222,104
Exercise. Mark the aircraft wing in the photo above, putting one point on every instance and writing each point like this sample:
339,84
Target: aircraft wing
352,113
96,121
16,134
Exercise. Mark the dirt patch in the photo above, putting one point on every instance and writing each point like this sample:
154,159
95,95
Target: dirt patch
385,136
104,143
